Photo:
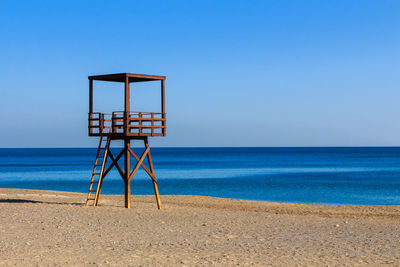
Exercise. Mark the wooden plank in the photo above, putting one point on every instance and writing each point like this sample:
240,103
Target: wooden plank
145,119
145,126
144,134
133,112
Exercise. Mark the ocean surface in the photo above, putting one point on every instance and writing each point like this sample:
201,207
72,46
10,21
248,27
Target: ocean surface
352,176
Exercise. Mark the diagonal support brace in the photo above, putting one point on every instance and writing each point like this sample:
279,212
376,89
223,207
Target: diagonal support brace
152,176
140,161
115,163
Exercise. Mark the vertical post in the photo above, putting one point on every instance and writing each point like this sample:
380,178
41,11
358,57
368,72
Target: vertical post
90,105
140,124
127,105
127,145
101,123
113,122
90,96
152,124
163,104
127,173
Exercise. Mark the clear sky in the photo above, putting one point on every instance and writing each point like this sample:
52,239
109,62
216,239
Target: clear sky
239,73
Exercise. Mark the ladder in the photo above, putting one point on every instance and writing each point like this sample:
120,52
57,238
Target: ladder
97,175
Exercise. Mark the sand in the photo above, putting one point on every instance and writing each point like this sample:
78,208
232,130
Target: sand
48,228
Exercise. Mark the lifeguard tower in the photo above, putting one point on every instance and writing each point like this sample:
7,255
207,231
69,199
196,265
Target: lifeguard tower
124,125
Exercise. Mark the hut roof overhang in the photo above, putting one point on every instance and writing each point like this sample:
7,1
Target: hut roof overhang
121,77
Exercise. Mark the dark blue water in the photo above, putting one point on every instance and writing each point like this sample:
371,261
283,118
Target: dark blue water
359,176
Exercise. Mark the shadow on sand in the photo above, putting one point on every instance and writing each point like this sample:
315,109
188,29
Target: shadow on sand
13,200
10,200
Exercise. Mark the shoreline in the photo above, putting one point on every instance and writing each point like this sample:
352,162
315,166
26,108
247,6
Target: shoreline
254,200
39,227
220,203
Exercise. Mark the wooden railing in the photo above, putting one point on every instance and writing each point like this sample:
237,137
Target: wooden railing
120,123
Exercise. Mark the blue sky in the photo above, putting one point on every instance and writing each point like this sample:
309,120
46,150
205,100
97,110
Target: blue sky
239,73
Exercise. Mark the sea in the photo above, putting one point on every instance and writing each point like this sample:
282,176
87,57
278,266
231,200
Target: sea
313,175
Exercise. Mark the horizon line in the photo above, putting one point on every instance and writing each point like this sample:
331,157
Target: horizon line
370,146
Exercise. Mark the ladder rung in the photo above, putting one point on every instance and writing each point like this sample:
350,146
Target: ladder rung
101,157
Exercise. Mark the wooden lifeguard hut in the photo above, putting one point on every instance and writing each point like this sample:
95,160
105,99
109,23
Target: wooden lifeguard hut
124,125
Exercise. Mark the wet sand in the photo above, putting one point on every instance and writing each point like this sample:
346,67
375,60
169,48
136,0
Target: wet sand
49,228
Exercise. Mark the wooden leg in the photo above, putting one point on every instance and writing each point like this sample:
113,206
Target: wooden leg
127,172
127,194
157,195
154,176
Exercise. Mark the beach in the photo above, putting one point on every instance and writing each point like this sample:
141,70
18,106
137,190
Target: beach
51,228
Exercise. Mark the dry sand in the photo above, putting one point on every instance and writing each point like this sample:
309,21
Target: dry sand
48,228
